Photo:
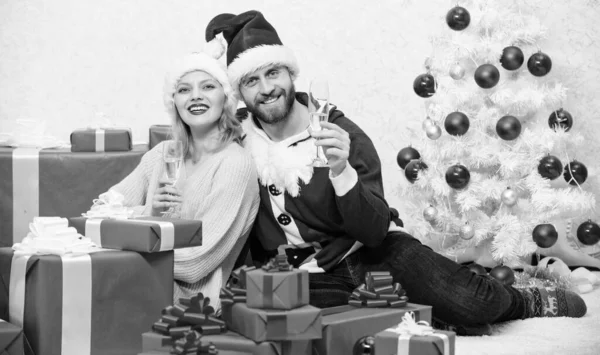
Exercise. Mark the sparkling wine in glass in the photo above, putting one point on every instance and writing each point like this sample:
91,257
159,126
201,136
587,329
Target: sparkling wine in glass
173,158
318,109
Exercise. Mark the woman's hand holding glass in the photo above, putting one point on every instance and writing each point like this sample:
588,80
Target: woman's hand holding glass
166,197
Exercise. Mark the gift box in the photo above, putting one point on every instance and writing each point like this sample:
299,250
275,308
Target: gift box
96,303
221,352
159,133
343,326
414,337
144,234
272,288
54,182
11,339
303,323
101,140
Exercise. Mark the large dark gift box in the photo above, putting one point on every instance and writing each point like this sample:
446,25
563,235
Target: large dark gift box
101,140
11,339
54,182
303,323
145,234
159,133
343,326
97,303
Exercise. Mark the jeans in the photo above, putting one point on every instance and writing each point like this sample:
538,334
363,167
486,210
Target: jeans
457,295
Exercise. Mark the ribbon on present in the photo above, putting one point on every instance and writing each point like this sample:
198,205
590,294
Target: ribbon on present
192,314
76,314
278,264
410,327
191,343
109,205
378,291
235,291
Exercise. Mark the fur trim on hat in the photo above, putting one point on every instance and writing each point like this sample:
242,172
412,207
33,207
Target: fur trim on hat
259,57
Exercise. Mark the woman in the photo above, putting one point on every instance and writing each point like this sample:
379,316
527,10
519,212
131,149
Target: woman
218,183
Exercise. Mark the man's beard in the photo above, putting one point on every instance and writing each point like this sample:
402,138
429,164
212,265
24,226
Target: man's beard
278,115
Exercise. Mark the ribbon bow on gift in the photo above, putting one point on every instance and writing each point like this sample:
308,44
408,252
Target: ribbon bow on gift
410,326
109,205
52,235
235,291
378,291
194,314
278,264
191,343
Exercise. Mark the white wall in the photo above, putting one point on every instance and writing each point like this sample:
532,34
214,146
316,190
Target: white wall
63,61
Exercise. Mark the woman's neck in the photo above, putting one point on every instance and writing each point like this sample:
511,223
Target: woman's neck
205,144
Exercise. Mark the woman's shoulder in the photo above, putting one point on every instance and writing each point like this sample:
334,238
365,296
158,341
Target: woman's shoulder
235,155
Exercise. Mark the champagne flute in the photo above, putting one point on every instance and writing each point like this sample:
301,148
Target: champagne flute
318,110
173,158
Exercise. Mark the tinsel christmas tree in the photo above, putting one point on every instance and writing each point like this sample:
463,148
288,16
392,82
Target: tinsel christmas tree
494,167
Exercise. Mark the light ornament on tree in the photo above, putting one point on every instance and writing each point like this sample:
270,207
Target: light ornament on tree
430,214
457,71
466,232
433,132
509,197
427,123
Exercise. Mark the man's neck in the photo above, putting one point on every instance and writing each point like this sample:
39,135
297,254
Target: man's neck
295,122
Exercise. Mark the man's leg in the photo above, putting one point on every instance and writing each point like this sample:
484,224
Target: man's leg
332,288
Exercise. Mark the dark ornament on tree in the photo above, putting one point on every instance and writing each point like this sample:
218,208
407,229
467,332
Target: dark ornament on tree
405,155
457,176
411,171
508,128
539,64
512,58
550,167
477,269
503,274
575,173
425,85
487,76
588,233
458,18
457,123
560,118
364,346
544,235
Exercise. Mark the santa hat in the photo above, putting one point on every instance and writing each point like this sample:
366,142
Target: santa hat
252,44
206,61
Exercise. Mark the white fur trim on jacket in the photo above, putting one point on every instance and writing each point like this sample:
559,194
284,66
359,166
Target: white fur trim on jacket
259,57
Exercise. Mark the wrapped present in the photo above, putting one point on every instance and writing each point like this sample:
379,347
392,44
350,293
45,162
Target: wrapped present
235,291
277,286
233,341
378,291
343,326
93,302
303,323
54,182
219,352
101,140
159,133
145,234
414,337
11,339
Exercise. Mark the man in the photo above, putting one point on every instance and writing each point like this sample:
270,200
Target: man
335,222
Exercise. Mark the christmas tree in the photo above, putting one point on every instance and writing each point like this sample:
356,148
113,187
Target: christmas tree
493,171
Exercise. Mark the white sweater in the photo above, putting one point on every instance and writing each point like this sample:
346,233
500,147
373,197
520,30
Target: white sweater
222,193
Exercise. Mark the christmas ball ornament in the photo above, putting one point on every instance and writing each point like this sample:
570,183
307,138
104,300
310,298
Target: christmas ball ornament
425,85
588,233
509,197
457,176
457,123
539,64
458,18
560,118
544,235
575,173
364,346
466,232
550,167
503,274
426,123
433,132
430,214
405,155
477,269
508,128
457,71
512,58
487,76
411,171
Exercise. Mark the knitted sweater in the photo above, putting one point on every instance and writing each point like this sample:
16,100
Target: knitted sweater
222,193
